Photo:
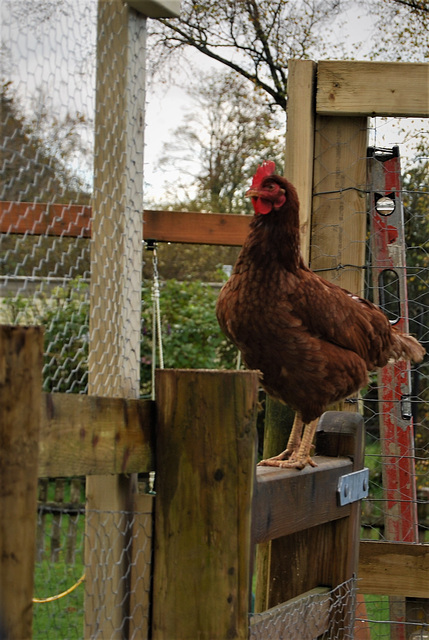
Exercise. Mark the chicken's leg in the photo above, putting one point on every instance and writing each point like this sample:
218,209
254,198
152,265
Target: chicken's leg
297,453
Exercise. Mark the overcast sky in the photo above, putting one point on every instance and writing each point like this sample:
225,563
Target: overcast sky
57,54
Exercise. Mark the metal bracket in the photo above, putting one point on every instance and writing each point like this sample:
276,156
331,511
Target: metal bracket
353,486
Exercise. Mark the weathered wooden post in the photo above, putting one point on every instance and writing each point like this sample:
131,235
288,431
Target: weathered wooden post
206,443
21,350
116,258
116,271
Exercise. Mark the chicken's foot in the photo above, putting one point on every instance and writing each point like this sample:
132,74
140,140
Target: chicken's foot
297,453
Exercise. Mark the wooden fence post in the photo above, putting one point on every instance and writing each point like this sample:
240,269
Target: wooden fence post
115,319
21,350
206,443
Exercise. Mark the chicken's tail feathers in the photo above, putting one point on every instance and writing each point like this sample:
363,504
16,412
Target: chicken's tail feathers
406,347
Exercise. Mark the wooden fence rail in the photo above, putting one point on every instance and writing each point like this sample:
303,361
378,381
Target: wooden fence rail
69,220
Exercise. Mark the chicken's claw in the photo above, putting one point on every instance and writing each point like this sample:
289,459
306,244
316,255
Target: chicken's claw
294,462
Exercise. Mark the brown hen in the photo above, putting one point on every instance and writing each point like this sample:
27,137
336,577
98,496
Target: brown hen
313,342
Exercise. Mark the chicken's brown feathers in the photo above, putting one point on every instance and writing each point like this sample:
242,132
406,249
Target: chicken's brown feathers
313,341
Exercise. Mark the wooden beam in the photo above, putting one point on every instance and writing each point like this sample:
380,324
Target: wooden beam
103,435
338,233
307,617
42,218
300,140
394,569
355,88
68,220
21,350
317,498
196,228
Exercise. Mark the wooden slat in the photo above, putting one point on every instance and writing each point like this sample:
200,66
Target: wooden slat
196,228
338,225
300,140
317,502
394,569
68,220
141,566
21,350
307,617
372,89
88,435
38,218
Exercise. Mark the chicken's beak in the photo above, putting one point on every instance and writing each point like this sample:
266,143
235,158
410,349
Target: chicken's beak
252,193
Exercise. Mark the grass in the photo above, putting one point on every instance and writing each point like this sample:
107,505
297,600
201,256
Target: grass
61,619
377,611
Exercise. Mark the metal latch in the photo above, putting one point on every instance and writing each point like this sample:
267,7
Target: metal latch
353,486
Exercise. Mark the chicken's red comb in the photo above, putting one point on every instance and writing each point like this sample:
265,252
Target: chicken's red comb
266,169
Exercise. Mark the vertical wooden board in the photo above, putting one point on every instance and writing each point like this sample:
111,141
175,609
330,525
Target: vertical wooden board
115,290
141,566
300,140
21,350
338,229
205,474
299,171
277,427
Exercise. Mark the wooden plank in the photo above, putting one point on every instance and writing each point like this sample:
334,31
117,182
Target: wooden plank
339,217
206,446
103,435
141,566
115,294
42,218
196,228
21,350
372,88
189,227
305,617
394,569
300,140
317,503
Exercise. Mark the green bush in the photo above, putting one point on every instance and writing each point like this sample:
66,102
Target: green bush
191,336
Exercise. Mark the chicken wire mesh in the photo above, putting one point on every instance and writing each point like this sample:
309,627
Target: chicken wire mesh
46,184
69,597
326,614
47,105
342,254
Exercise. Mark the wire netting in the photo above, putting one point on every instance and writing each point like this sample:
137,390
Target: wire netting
48,85
326,614
73,590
